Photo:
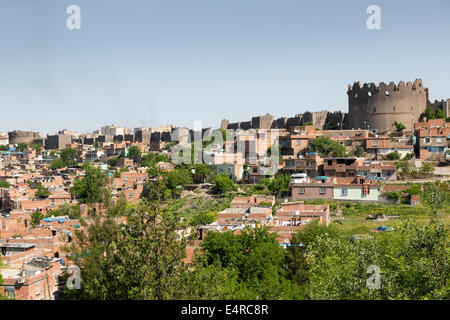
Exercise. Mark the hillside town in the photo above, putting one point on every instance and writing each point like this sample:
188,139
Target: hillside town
282,174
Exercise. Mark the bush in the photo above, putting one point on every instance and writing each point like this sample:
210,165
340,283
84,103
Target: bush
223,184
393,196
392,156
4,184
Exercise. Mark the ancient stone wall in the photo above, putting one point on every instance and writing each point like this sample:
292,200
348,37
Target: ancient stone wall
377,107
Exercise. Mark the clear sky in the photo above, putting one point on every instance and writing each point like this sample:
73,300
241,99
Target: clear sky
157,62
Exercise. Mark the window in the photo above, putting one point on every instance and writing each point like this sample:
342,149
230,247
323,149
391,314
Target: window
299,163
10,292
344,192
298,142
301,190
375,143
427,140
322,190
439,139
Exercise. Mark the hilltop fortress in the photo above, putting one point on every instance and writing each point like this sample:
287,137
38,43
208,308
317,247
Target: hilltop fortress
378,107
369,107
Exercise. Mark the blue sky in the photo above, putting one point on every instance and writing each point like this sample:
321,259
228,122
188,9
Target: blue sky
157,62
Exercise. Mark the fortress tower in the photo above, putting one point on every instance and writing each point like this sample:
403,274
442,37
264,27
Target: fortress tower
377,107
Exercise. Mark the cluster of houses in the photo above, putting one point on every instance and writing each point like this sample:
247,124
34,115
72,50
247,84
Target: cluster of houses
32,252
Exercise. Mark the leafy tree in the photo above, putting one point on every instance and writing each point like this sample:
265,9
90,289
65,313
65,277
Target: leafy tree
436,196
42,192
393,195
37,147
255,257
69,155
92,188
429,113
141,259
395,155
326,146
22,146
4,148
308,123
399,126
408,156
439,113
178,178
202,171
134,152
151,159
36,217
278,185
65,209
4,184
426,169
358,151
57,164
203,218
223,184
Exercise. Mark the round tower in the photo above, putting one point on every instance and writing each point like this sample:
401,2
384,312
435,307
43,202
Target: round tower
378,107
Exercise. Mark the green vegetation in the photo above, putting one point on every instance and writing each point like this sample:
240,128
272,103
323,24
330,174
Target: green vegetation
399,126
430,113
394,196
150,159
358,151
92,187
42,192
392,156
4,184
4,148
37,147
279,185
36,217
326,146
223,184
22,146
72,211
134,152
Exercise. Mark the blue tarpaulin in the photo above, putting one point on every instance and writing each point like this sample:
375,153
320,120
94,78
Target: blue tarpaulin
321,178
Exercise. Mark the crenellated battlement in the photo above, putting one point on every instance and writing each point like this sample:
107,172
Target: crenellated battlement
379,106
370,89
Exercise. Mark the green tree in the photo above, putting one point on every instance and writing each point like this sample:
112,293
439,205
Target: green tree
142,259
429,113
202,171
57,163
22,146
37,147
36,218
134,152
358,151
278,185
326,146
223,184
4,184
392,156
92,187
42,192
177,179
399,126
4,148
426,169
436,196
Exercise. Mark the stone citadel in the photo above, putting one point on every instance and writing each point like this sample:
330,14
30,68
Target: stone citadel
369,107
